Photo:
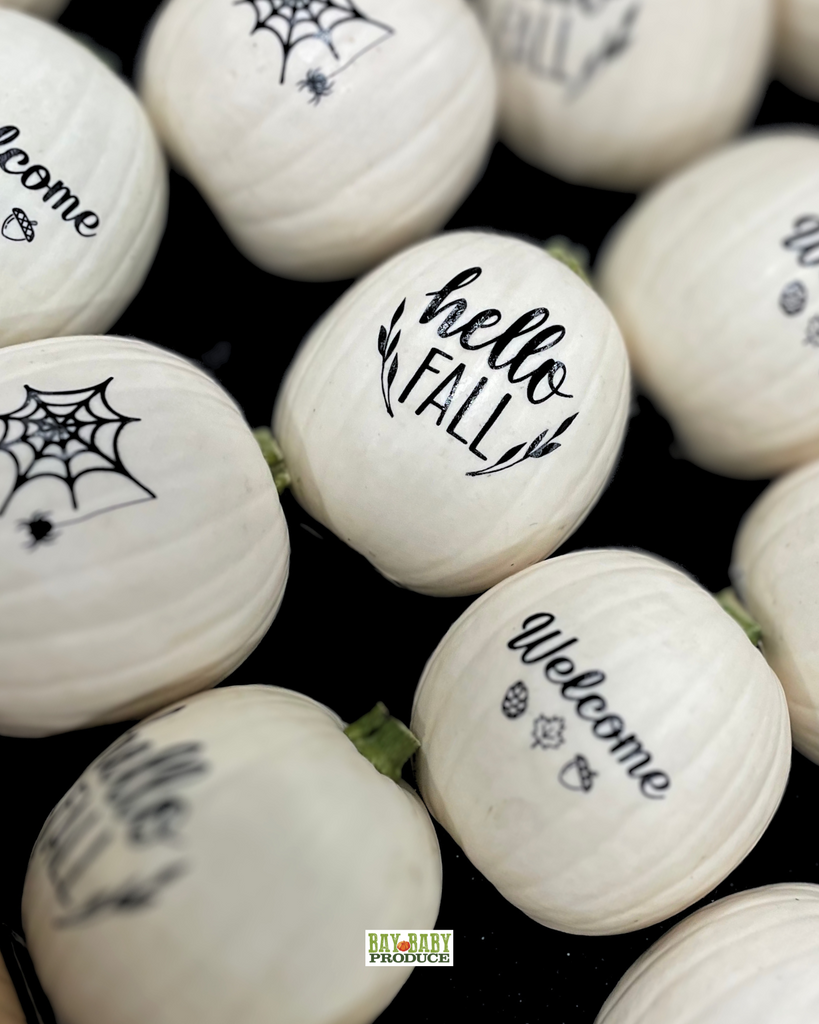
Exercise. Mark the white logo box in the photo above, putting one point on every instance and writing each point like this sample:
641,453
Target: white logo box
419,947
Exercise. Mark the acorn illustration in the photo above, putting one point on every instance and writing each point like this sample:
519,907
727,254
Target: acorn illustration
17,227
577,775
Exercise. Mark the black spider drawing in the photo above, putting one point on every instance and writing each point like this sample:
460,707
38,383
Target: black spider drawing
64,435
40,528
295,21
317,83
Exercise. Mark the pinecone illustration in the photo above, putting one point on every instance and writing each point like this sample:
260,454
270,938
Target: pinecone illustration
515,700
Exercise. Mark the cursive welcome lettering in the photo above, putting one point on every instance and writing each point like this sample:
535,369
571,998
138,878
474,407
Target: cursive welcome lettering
36,178
536,643
521,362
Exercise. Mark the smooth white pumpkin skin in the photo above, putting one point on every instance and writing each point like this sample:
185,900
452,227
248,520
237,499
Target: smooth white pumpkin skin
292,844
775,569
797,49
131,601
326,189
40,8
613,853
750,958
685,75
396,488
696,274
10,1010
82,125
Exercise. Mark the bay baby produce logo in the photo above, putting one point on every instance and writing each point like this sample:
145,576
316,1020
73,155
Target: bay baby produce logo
385,948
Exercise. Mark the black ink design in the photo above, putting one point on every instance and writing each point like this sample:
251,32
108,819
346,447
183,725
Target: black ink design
58,433
40,528
793,298
386,347
515,700
17,227
804,239
535,450
294,21
577,775
614,44
812,331
317,83
135,894
548,732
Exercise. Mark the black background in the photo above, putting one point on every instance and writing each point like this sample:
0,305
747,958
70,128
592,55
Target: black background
348,637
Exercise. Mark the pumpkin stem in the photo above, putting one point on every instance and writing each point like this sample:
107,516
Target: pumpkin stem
730,603
575,257
274,457
383,740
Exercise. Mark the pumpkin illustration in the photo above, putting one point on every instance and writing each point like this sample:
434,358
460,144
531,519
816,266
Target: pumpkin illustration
618,93
712,278
652,755
144,549
774,571
346,131
457,413
750,958
798,44
97,193
243,812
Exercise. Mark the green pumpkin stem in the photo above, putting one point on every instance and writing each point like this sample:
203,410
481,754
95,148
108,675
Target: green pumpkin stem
574,256
730,603
383,740
274,457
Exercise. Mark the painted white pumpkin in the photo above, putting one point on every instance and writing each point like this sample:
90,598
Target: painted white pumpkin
713,280
601,739
797,56
143,545
83,186
324,137
775,570
240,848
420,419
750,958
618,93
40,8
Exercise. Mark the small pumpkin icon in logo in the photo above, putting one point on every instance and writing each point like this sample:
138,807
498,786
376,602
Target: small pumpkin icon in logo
17,227
403,946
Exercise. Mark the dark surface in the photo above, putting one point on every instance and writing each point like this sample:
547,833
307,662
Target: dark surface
205,300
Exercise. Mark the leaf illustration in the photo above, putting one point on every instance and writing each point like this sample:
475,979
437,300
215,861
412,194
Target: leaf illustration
510,454
393,345
382,340
544,450
533,446
398,314
392,373
565,425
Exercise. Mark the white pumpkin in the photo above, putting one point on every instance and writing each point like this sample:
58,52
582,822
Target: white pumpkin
750,958
40,8
712,278
324,136
797,57
83,186
10,1010
420,419
239,848
143,546
601,739
618,93
775,569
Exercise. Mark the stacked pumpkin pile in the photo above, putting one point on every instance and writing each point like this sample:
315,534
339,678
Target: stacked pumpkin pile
454,417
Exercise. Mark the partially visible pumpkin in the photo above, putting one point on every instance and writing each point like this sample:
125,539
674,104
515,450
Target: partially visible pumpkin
83,186
797,57
324,136
233,850
618,93
601,739
750,958
41,8
143,546
775,570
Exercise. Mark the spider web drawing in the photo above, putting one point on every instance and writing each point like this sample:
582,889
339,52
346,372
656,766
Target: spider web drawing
65,435
295,21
